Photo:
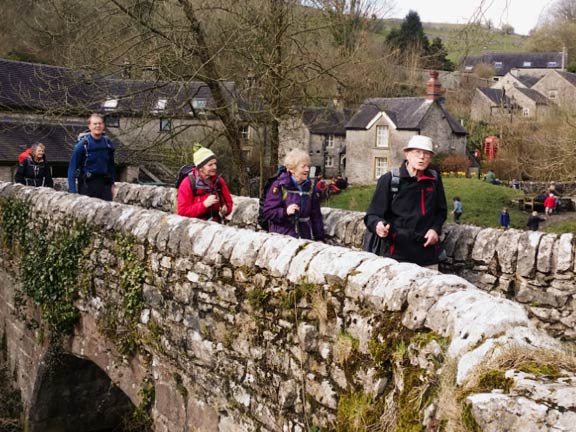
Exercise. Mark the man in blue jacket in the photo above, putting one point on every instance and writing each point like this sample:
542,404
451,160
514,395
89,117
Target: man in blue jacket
92,163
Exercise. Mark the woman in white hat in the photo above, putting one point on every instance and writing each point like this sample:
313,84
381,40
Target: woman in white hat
409,207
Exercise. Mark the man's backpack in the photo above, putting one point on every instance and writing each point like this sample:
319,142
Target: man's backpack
263,222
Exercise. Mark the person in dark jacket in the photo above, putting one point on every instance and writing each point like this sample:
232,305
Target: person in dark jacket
534,221
292,204
34,170
92,162
411,218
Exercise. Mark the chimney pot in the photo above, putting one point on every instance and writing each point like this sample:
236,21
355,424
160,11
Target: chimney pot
433,87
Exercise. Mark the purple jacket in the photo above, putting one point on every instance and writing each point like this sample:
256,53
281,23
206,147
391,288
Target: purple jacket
284,192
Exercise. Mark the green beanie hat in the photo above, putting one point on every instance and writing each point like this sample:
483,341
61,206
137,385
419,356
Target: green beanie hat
202,155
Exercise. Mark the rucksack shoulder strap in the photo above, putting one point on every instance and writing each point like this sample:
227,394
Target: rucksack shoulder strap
395,181
192,181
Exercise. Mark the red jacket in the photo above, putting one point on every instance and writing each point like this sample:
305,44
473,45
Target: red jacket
550,202
22,156
191,203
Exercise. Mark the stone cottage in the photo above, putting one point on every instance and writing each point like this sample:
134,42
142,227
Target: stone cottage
379,130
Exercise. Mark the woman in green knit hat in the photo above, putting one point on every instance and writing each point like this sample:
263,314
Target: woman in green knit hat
204,194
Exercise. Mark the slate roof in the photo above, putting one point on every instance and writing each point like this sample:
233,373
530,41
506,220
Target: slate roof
515,60
528,80
536,96
326,121
59,139
406,113
568,76
39,87
497,96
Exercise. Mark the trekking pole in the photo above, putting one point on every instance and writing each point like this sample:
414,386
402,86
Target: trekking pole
297,223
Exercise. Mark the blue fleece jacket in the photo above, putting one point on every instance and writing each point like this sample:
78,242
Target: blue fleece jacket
96,157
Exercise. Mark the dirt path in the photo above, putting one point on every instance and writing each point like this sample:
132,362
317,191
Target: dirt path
562,216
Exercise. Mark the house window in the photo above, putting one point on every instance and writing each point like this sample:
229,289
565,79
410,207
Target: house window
382,136
552,94
160,105
329,162
244,132
165,125
112,121
526,112
497,65
110,104
552,64
380,167
469,68
329,141
527,64
198,104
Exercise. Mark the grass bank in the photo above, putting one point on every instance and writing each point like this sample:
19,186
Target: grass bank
482,203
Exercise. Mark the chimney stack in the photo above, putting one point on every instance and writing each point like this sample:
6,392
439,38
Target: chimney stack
433,87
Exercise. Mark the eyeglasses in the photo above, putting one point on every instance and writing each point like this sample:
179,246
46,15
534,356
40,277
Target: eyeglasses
423,153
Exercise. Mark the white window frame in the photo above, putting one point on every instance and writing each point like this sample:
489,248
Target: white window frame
330,141
527,64
380,166
199,103
329,162
382,139
552,64
165,125
498,64
110,104
525,112
160,105
244,132
553,94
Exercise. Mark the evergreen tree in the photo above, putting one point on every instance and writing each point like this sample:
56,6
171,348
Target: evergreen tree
438,56
410,35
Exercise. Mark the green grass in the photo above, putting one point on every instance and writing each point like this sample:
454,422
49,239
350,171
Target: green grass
482,203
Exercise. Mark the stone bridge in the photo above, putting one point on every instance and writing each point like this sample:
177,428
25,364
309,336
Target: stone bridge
123,313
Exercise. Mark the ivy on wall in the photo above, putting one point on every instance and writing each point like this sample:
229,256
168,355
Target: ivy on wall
49,260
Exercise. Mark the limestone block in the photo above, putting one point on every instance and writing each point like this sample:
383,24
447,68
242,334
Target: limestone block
287,394
527,252
393,288
365,272
276,254
484,248
526,337
425,294
301,262
564,253
471,315
465,242
245,251
544,257
538,296
322,392
507,250
333,261
307,336
547,315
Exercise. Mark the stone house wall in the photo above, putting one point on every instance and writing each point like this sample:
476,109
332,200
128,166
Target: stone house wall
565,92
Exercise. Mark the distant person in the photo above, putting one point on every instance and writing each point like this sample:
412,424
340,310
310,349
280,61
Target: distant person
292,204
92,162
25,153
550,204
534,221
409,207
204,194
504,219
515,184
34,170
341,182
458,209
490,177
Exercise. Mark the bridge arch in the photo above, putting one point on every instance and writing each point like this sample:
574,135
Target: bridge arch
74,394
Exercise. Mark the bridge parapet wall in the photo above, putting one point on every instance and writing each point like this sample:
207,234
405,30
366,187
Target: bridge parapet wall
245,329
535,269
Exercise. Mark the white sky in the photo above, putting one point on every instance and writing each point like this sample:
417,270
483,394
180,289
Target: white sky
523,15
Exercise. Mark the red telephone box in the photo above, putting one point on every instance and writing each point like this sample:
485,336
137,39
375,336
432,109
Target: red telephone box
491,147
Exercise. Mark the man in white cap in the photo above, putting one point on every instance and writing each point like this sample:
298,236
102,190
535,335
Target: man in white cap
409,207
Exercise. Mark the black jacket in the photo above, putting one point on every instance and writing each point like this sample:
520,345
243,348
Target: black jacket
419,205
32,173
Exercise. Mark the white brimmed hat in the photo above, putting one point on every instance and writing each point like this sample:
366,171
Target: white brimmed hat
420,142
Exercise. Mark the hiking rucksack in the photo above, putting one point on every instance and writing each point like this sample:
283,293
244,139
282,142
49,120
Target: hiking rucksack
263,222
395,181
183,172
83,137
